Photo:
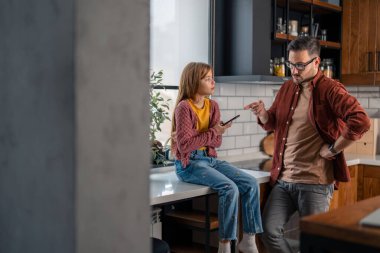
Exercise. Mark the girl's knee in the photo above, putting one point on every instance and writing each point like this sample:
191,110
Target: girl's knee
252,184
231,189
248,180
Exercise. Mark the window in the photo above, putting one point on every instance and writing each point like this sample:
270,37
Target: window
179,34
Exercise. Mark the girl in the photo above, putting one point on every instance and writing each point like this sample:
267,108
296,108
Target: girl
197,131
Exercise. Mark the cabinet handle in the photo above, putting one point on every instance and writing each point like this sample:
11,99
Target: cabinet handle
369,62
378,60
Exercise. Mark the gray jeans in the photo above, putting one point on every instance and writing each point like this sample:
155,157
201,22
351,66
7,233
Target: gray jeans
284,200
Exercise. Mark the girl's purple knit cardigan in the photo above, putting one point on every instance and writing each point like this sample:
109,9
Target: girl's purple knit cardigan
188,138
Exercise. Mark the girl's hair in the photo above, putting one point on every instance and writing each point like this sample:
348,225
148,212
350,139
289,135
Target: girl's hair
191,77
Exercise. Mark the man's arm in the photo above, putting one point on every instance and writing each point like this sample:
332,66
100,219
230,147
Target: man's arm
346,107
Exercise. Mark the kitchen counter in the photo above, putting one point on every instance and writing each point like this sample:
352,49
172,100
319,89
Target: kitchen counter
352,159
165,187
339,230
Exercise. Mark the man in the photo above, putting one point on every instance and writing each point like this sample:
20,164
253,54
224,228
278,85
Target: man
314,119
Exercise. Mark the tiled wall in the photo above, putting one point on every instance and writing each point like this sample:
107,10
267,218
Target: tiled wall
245,135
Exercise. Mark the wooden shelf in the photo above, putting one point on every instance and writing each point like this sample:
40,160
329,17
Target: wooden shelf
328,6
291,37
296,5
304,6
281,36
193,218
326,44
330,44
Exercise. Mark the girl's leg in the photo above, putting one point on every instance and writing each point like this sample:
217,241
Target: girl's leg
199,171
250,196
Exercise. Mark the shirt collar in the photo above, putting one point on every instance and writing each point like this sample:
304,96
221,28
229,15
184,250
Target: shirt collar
317,78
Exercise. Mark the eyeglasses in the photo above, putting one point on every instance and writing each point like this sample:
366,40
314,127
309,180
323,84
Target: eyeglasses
299,66
208,79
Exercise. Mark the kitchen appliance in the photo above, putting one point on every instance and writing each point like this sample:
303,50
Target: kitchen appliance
156,225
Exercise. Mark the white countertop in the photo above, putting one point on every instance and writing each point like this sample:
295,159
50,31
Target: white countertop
165,187
354,159
351,159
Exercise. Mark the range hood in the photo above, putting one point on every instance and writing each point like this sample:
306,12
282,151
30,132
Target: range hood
251,79
242,42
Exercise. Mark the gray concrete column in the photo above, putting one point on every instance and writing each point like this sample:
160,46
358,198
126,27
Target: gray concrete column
74,152
112,122
37,143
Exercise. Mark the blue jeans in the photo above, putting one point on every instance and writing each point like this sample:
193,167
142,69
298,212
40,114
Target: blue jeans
228,181
284,200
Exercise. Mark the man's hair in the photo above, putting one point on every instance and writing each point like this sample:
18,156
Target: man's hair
305,43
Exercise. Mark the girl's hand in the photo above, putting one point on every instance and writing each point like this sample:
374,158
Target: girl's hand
174,136
221,129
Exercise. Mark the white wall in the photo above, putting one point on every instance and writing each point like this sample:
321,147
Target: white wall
179,35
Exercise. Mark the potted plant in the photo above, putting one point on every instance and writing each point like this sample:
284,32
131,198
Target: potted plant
159,112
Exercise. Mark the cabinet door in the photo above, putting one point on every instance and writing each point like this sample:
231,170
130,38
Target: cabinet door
371,181
359,42
377,56
347,193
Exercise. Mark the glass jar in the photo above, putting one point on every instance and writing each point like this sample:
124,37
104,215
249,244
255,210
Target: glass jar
279,67
280,26
322,66
293,27
304,31
324,34
271,67
281,71
276,66
328,67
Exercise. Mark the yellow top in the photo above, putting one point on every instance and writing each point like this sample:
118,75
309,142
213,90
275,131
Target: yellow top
203,115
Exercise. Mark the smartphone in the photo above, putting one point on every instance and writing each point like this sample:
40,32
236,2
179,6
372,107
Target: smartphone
225,123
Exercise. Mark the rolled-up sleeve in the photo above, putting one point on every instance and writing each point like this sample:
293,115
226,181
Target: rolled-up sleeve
348,108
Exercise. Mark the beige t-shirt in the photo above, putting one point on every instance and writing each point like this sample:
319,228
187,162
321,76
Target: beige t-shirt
302,162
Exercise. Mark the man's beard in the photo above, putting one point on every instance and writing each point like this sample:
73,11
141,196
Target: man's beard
302,81
296,80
